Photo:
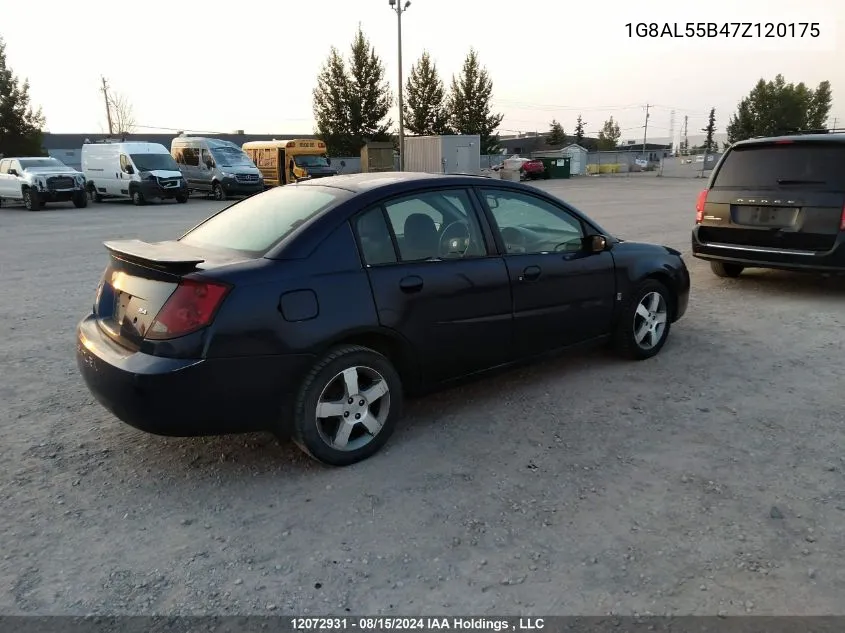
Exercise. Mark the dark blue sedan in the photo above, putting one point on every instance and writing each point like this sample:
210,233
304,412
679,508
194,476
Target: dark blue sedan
312,309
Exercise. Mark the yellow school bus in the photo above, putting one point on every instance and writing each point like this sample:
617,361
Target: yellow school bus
283,162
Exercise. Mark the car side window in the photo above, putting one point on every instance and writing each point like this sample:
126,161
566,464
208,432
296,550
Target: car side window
436,225
179,157
191,156
206,157
529,224
16,166
124,162
4,166
374,238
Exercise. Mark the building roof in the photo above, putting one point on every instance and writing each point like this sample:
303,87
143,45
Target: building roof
76,141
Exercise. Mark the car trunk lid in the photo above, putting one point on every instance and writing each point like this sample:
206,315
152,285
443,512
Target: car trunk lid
140,279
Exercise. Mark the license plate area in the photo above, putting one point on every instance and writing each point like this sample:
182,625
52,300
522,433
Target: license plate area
769,217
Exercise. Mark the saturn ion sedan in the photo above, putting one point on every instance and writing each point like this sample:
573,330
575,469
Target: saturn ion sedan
310,310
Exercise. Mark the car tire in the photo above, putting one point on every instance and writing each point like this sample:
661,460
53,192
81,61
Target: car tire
93,194
217,192
31,200
378,401
137,198
182,198
80,200
727,270
645,321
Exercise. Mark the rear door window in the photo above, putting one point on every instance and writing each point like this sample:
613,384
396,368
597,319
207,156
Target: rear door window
254,225
820,165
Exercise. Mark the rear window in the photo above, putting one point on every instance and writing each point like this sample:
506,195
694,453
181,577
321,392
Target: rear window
256,224
817,164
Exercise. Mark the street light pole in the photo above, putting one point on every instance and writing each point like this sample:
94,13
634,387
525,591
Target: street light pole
400,9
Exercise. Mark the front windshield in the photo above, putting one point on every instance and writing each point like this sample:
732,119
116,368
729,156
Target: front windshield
231,157
150,162
311,161
35,163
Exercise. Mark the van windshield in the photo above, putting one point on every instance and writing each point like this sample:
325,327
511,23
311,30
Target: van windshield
231,157
150,162
311,161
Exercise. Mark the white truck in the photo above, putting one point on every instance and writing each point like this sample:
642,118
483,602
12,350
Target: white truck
40,179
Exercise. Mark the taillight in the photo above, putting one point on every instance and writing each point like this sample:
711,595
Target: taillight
842,220
191,307
699,206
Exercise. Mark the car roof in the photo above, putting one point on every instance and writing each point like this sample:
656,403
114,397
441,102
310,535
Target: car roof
398,180
836,137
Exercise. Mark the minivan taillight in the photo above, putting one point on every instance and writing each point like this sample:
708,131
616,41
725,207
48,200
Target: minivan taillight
191,307
842,220
699,206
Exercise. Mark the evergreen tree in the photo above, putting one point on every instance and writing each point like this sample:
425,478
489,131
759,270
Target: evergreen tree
425,99
609,135
556,136
20,125
470,107
331,105
352,100
579,130
776,107
709,146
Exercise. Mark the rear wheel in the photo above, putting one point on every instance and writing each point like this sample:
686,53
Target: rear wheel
217,192
138,198
80,200
182,198
31,200
722,269
347,406
644,323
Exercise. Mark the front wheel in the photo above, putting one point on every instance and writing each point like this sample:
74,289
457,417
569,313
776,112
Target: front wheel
138,198
217,192
723,269
80,200
347,406
31,200
182,198
645,321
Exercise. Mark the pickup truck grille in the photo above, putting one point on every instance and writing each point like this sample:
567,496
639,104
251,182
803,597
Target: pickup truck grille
169,183
60,182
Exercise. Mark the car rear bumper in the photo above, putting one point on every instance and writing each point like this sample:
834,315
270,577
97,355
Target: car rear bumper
832,260
187,397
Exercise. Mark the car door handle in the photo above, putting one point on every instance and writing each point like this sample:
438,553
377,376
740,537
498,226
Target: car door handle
532,273
411,284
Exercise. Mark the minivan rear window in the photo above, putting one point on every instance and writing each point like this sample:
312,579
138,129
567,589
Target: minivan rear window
256,224
816,164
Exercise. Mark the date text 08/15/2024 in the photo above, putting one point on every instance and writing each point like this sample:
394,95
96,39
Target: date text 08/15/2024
780,30
387,623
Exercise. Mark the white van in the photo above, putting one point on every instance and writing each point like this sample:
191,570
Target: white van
140,171
215,166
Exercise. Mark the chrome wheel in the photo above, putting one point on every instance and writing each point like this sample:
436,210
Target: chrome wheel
650,320
353,408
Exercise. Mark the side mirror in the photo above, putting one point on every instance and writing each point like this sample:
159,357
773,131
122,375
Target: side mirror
343,163
209,164
129,169
13,172
597,243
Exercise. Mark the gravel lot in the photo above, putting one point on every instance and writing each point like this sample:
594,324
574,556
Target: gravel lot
706,480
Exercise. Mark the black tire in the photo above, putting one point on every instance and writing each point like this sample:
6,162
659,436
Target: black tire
93,194
625,340
724,269
80,200
311,436
182,198
137,197
217,192
31,200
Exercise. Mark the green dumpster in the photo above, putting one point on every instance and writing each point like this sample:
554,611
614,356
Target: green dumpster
559,167
548,163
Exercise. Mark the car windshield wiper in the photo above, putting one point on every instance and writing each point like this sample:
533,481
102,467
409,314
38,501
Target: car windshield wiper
787,181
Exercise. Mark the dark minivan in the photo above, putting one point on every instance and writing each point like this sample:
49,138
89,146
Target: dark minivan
775,202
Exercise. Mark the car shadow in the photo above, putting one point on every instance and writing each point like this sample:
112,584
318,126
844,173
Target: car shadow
809,285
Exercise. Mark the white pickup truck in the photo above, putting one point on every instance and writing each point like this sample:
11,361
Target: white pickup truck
37,180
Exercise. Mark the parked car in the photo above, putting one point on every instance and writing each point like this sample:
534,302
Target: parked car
38,180
533,169
214,166
775,202
135,170
312,309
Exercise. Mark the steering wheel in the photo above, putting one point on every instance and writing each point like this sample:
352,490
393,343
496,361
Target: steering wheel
458,242
572,246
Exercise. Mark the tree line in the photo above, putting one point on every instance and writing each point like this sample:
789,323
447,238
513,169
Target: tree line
352,100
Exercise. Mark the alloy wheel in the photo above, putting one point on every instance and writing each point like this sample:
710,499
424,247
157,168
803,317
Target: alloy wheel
650,320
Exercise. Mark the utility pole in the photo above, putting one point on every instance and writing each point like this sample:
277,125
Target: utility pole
673,147
645,131
686,138
396,5
105,90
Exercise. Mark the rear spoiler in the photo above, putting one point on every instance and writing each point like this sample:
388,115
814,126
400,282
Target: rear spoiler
162,255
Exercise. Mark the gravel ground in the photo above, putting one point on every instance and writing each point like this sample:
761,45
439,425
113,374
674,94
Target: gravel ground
706,480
